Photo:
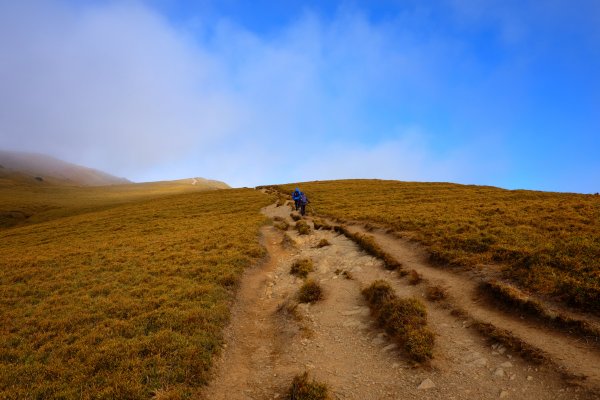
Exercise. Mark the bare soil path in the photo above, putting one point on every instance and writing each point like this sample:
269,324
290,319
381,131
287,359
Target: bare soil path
337,342
574,355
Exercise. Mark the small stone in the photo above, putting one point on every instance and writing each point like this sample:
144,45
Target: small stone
480,362
499,372
503,394
378,340
529,378
426,384
513,377
506,364
501,349
395,365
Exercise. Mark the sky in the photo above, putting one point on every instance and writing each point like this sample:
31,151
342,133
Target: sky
493,92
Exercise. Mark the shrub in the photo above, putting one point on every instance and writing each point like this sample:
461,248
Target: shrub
310,292
302,267
303,389
302,227
295,216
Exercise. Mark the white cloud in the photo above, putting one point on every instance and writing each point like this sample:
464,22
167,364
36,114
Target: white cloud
116,87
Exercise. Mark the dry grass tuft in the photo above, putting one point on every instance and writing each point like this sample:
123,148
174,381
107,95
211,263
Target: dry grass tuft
403,319
287,242
320,224
281,225
302,267
511,342
414,278
323,243
295,216
304,389
289,308
436,293
302,227
546,241
310,292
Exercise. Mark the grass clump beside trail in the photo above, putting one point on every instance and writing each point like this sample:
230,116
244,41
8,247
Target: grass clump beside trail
124,302
368,244
323,243
310,292
320,224
302,227
304,388
302,267
548,242
514,299
403,319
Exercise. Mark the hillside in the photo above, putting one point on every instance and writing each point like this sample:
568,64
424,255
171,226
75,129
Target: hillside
127,299
547,243
38,168
127,291
25,201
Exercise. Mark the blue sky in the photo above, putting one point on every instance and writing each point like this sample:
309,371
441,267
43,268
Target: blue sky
494,92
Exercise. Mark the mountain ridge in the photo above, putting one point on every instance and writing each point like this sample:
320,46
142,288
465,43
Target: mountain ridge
37,167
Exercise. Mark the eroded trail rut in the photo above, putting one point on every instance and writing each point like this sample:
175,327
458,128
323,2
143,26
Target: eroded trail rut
338,343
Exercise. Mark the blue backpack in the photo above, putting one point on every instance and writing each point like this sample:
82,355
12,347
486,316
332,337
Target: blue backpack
303,198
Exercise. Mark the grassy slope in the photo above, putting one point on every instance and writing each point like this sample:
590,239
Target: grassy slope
123,301
23,202
548,242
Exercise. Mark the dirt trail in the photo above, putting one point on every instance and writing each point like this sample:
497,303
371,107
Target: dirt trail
336,341
574,355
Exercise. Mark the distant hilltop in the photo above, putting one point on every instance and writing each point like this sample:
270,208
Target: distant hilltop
33,167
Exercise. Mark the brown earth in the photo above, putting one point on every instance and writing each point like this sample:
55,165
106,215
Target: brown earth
338,343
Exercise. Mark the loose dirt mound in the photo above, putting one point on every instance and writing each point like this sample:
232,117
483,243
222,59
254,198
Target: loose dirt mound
271,338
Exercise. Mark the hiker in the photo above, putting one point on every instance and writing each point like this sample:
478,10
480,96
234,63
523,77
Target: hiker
296,197
303,202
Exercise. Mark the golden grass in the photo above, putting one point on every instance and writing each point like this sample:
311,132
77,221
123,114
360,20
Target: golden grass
22,203
302,227
323,243
548,243
512,299
310,292
125,302
302,267
403,319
